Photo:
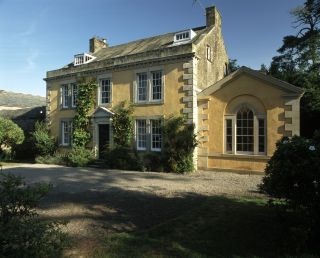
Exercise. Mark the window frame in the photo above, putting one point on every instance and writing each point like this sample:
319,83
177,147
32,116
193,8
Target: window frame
74,97
63,136
152,134
150,86
67,97
256,118
100,91
247,135
137,135
149,133
146,87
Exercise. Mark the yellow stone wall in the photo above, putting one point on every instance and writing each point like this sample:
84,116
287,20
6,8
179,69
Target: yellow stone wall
211,121
123,89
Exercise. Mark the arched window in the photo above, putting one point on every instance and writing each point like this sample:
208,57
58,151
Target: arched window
245,142
245,132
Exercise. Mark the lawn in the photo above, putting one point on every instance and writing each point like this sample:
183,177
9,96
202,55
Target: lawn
218,227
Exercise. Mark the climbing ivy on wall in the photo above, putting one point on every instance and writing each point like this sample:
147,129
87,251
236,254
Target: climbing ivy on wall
85,102
122,124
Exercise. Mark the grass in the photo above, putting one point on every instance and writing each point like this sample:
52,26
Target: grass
218,227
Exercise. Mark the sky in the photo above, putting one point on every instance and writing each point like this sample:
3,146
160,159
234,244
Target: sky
42,35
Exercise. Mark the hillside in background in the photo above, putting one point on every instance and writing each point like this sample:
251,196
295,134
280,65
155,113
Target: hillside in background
23,109
20,100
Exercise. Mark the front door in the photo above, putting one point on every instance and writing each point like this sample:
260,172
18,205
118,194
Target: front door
104,138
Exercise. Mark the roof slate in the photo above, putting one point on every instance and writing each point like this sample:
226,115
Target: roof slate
142,45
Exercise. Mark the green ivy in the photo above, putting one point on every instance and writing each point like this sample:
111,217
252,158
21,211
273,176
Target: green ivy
85,102
122,124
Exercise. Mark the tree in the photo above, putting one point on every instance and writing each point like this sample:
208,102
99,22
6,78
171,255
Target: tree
45,143
299,62
10,133
233,65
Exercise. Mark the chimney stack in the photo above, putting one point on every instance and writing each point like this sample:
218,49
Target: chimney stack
96,43
213,16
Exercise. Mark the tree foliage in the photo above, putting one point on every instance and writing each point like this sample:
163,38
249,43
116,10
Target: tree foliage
179,143
298,62
45,144
10,133
85,102
122,124
233,65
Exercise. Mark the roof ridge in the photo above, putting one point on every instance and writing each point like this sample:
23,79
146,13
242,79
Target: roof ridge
152,37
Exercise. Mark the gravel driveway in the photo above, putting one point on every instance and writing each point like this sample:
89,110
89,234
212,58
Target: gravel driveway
98,202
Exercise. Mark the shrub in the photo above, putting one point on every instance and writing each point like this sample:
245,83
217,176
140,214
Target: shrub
10,134
44,143
23,234
79,157
123,158
152,162
179,144
293,175
58,158
26,150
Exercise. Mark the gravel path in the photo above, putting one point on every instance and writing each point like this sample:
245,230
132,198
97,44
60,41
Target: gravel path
97,202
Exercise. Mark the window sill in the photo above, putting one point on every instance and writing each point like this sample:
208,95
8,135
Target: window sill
238,156
148,103
68,108
105,105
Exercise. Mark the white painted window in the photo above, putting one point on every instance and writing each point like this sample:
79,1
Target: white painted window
149,134
262,135
74,95
142,87
245,132
149,86
156,87
83,59
66,132
69,93
141,132
229,138
156,135
183,36
105,91
65,95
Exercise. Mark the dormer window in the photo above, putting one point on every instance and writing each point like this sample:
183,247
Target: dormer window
83,59
183,36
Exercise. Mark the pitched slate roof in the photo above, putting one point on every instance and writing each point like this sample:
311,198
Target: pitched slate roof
142,45
253,73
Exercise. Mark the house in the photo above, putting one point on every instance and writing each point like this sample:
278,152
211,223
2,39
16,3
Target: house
238,117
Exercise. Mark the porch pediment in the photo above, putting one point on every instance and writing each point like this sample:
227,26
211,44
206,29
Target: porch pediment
102,112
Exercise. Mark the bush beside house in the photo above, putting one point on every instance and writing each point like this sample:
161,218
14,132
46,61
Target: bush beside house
293,180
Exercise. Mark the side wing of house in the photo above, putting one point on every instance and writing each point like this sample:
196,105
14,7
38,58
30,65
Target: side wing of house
242,117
